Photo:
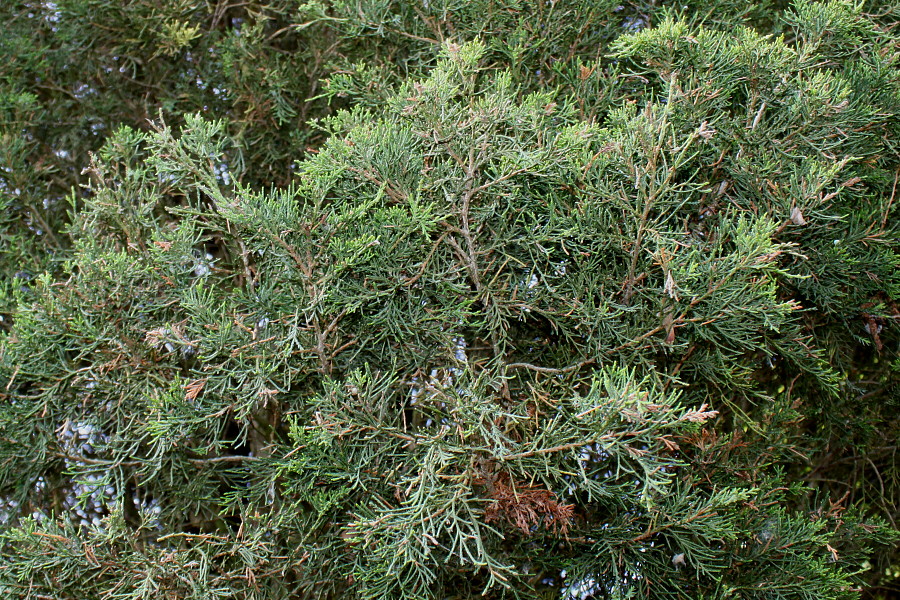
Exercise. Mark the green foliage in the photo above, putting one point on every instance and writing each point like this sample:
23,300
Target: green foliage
550,300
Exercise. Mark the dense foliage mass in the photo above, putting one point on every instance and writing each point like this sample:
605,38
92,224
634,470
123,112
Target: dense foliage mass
387,299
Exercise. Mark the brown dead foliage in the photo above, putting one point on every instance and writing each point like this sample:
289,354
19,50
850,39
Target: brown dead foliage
527,507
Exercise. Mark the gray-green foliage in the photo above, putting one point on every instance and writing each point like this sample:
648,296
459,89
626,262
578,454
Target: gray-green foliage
493,338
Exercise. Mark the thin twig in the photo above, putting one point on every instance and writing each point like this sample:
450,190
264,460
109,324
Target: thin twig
137,463
530,453
532,367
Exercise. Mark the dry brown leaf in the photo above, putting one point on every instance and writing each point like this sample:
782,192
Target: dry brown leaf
194,388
